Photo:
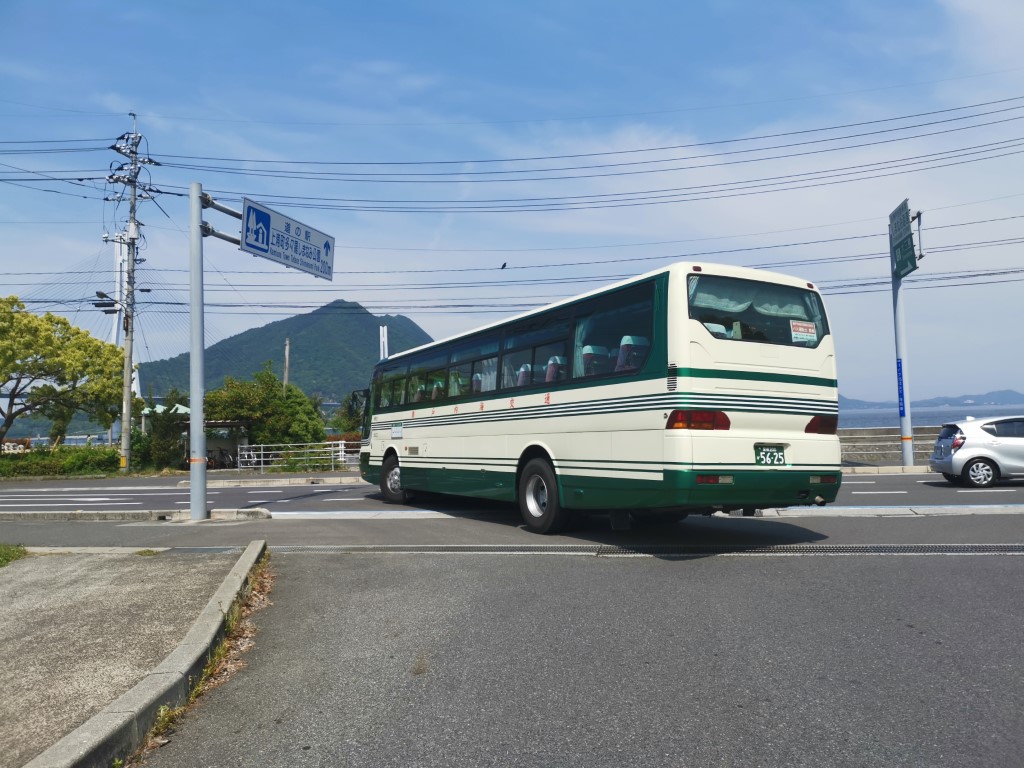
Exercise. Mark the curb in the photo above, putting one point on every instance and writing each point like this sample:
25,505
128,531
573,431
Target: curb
138,515
914,470
120,727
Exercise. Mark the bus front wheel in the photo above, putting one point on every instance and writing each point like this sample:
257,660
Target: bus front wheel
538,498
391,481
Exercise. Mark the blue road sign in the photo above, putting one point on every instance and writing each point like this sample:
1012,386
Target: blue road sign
274,236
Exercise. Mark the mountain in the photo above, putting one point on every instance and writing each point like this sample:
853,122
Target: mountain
998,397
332,352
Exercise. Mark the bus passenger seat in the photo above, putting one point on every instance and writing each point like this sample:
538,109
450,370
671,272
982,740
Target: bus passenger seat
421,392
632,352
438,392
555,370
595,359
477,382
525,374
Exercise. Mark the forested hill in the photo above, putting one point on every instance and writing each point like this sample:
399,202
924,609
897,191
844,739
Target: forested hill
332,352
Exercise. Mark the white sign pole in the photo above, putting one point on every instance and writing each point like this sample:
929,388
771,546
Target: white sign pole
196,430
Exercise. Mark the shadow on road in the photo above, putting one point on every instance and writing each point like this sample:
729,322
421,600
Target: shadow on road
694,536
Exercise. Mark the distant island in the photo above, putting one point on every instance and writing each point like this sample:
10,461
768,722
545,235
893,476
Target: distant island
999,397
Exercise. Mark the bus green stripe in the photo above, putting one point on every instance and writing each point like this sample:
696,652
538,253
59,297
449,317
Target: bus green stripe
782,378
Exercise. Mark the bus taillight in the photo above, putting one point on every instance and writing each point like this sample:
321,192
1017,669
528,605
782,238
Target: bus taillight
822,425
698,420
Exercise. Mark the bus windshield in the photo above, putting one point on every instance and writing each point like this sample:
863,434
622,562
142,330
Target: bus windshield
747,310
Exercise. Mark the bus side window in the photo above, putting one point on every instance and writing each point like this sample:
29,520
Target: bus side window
436,381
549,363
516,369
459,377
488,372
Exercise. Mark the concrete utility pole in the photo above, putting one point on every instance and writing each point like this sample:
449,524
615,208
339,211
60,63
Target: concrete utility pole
287,349
128,174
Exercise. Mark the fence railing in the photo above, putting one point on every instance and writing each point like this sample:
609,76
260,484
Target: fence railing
317,457
881,446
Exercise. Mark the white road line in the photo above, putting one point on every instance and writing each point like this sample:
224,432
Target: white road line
988,490
859,482
875,493
412,514
75,504
263,491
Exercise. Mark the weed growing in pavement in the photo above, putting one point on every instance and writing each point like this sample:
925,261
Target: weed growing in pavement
11,552
224,660
147,552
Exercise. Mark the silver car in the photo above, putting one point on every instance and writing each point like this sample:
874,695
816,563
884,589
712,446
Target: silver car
980,452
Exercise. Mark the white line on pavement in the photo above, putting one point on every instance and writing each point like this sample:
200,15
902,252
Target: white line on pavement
875,493
414,514
75,504
988,490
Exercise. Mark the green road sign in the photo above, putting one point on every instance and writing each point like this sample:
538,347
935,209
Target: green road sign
901,241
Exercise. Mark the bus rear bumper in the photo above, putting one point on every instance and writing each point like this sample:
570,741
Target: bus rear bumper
704,489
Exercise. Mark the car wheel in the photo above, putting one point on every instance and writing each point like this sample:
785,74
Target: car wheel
980,473
951,478
538,498
391,481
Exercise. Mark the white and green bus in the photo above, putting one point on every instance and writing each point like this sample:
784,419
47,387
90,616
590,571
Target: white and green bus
690,389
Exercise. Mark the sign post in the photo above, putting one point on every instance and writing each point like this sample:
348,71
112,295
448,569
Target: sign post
903,261
264,233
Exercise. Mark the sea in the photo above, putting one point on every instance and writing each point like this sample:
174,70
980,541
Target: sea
922,417
848,419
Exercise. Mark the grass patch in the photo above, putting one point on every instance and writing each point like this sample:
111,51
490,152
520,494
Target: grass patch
11,552
147,552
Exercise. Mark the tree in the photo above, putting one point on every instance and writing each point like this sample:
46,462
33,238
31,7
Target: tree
272,412
348,417
51,368
167,426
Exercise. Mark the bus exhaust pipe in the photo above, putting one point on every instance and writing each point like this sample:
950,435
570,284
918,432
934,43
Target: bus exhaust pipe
819,502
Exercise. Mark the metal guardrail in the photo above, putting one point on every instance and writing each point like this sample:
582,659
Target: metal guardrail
316,457
881,446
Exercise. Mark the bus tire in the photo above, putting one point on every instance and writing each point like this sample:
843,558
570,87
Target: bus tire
538,498
391,481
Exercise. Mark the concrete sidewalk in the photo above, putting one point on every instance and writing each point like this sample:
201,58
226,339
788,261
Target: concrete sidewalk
95,641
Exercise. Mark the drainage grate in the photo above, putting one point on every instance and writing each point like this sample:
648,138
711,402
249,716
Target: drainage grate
661,550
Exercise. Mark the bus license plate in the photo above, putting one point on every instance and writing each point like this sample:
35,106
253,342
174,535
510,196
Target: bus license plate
772,455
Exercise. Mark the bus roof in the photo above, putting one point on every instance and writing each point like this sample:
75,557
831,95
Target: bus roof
725,270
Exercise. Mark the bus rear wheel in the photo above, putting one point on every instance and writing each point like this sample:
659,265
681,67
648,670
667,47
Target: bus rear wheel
391,481
538,498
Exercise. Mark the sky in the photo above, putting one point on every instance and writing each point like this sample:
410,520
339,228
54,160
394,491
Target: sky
577,143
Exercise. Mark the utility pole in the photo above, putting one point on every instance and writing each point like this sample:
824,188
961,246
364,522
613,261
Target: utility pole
287,348
128,175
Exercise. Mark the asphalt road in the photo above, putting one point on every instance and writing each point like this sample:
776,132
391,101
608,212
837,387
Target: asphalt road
457,638
858,490
540,660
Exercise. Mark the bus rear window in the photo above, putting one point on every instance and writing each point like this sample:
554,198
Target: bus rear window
747,310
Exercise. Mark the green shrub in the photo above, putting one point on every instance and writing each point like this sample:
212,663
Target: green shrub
84,460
